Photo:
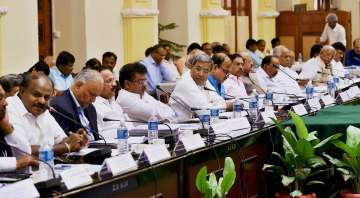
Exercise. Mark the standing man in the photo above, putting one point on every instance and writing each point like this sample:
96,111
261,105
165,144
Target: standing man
60,75
157,72
333,31
251,46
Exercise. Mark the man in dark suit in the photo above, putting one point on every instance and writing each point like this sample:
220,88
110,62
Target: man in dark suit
73,109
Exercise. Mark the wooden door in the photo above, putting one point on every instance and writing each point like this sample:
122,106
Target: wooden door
45,28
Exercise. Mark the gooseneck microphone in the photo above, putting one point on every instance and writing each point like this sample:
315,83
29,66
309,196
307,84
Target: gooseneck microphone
230,96
184,106
52,109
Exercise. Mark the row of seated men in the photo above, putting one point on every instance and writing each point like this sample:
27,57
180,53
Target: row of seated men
66,113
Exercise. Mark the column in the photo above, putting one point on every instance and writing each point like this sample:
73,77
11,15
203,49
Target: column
212,21
3,12
139,28
266,24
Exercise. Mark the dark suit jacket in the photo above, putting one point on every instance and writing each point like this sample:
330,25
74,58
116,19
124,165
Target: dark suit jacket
66,105
5,150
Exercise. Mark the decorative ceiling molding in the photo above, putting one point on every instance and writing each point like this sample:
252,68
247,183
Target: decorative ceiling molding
214,13
271,14
3,11
136,12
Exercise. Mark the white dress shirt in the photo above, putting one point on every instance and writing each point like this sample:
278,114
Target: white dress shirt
337,68
311,68
334,35
39,130
109,109
142,108
189,94
267,83
287,79
234,86
7,164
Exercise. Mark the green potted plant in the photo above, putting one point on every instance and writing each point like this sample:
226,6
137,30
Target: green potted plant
349,165
210,187
299,164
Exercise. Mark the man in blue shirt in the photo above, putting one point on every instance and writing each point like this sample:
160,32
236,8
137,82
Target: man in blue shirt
60,74
251,46
219,72
156,71
352,57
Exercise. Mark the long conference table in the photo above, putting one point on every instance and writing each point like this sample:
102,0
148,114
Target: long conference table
175,177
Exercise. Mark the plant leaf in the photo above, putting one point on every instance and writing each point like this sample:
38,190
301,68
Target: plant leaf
212,184
312,136
229,175
313,182
330,138
316,161
296,193
347,149
301,129
335,161
286,134
201,183
304,150
285,180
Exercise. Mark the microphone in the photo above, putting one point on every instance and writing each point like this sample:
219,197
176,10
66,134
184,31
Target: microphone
43,185
52,109
230,96
325,73
294,79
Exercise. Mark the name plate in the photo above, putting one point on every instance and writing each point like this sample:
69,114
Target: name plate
300,109
24,188
238,123
314,104
156,153
267,115
75,177
344,96
121,164
353,92
221,127
192,142
327,100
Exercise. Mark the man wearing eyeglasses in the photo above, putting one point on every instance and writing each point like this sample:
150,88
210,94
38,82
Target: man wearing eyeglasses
265,76
219,72
133,98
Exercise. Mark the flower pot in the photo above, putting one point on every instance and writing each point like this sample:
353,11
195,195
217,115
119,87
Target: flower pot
348,194
286,195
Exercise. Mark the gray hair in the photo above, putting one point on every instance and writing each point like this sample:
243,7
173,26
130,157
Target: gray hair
279,50
87,75
331,17
328,48
200,56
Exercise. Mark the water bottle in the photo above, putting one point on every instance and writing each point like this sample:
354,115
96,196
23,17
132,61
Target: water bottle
153,130
122,137
46,154
300,58
253,106
309,90
214,115
346,77
237,108
268,98
331,88
336,80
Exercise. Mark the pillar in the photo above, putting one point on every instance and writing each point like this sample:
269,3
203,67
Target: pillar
139,28
212,21
3,12
266,24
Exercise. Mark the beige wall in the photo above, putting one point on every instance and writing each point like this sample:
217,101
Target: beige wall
19,36
354,7
88,29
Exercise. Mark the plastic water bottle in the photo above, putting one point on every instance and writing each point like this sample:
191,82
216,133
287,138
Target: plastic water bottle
214,115
46,154
153,130
331,88
237,107
269,98
346,77
300,58
309,90
336,81
253,106
122,136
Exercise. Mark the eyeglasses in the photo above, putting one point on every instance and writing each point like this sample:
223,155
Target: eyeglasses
199,69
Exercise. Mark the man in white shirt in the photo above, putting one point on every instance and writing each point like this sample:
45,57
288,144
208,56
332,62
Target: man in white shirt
318,69
106,107
333,31
265,76
8,162
133,98
234,86
28,110
337,62
189,91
